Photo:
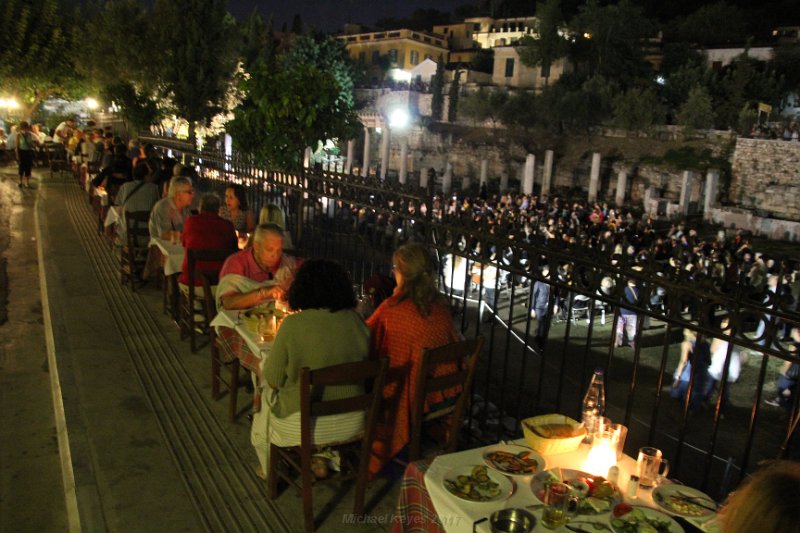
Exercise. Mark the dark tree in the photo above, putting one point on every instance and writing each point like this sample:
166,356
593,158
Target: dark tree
437,90
548,46
452,106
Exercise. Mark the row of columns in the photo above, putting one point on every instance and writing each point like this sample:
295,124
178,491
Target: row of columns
528,180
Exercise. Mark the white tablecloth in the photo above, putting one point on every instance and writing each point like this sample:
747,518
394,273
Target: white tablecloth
113,216
229,319
173,254
102,195
458,516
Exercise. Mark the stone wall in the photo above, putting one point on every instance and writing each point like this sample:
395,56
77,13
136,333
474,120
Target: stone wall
766,177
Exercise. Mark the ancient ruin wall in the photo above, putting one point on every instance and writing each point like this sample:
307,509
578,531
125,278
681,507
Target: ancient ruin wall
766,177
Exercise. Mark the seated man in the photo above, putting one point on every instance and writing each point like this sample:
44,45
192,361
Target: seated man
205,231
259,273
169,214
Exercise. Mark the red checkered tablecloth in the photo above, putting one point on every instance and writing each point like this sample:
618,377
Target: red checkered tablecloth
232,346
415,511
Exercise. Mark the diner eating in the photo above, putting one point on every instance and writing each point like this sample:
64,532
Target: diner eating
322,330
170,213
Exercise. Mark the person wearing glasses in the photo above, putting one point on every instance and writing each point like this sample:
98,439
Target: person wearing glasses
169,214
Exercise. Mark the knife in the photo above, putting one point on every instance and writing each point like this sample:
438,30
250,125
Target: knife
577,529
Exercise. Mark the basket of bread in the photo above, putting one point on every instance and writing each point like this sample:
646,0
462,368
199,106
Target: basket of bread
553,433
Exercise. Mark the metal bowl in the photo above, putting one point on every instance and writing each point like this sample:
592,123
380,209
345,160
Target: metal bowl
512,521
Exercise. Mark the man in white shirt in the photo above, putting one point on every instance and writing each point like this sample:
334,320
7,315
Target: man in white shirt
64,131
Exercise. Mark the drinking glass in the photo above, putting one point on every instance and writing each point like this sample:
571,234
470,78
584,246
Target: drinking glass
620,433
648,465
559,505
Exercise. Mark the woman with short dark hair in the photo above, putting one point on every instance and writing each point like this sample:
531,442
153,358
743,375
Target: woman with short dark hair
323,331
236,209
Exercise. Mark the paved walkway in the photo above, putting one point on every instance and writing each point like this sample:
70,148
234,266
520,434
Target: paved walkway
148,450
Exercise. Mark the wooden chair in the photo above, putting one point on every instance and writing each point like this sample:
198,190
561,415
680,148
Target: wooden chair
189,319
464,354
134,253
207,280
371,374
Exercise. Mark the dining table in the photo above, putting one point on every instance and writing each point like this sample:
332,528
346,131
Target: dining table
169,255
425,504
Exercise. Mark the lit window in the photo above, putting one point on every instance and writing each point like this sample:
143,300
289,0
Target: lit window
414,57
393,55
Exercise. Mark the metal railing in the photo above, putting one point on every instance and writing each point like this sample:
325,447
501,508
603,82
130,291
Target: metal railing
488,274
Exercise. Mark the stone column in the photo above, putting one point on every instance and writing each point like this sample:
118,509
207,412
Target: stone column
403,161
423,177
594,177
484,172
307,157
548,173
527,180
385,139
686,191
622,184
712,183
351,148
365,160
447,179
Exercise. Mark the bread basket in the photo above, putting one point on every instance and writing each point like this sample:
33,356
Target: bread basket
552,444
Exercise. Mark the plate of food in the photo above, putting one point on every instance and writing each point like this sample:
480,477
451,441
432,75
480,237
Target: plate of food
595,494
643,520
252,316
478,484
684,501
514,460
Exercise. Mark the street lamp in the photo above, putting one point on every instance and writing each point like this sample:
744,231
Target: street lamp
91,103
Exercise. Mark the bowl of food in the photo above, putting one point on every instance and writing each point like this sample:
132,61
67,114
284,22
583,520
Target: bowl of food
553,433
512,521
251,317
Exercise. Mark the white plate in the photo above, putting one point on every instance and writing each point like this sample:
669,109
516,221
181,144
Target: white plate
587,506
647,513
668,497
514,460
503,486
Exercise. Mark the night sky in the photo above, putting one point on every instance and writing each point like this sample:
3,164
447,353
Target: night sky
331,15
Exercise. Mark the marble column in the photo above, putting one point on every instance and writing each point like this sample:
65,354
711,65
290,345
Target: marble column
447,179
403,161
351,148
712,184
484,172
547,176
307,157
594,177
686,191
527,179
365,160
622,185
385,140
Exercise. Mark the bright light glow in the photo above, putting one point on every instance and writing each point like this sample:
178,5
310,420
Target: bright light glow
398,118
660,80
587,35
399,74
91,103
378,130
10,103
602,456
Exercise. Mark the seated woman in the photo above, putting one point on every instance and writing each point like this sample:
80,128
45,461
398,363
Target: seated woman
324,331
236,210
769,501
273,214
415,317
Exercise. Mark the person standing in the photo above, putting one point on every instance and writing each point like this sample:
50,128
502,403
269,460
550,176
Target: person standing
63,131
626,325
23,148
540,300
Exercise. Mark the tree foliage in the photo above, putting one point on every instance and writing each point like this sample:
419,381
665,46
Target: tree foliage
305,99
710,24
453,94
637,109
521,111
437,91
198,56
483,105
697,112
38,39
549,45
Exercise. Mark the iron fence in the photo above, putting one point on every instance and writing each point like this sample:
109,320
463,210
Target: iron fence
488,272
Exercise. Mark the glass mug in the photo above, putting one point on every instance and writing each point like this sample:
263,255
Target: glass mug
559,505
648,465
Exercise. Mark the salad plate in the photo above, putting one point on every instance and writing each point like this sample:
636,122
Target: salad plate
645,520
514,460
596,494
684,501
478,484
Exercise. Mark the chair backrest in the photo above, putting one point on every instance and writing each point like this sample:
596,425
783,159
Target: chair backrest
197,261
371,374
136,230
462,356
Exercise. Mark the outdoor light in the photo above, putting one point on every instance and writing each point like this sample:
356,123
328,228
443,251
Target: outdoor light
587,35
10,103
660,80
398,74
91,103
398,118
